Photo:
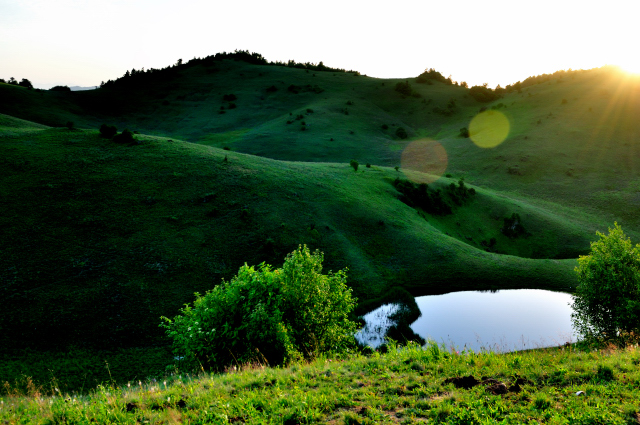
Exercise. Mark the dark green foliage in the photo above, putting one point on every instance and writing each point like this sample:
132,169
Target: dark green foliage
354,164
108,131
267,315
272,89
404,88
25,83
420,196
69,125
460,193
60,88
125,137
385,127
513,227
607,300
229,97
368,165
309,111
464,132
483,94
430,75
232,105
401,133
604,373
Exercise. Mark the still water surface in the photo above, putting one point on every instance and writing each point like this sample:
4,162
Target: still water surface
500,321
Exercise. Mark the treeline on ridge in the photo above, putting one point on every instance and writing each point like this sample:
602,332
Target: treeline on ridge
252,58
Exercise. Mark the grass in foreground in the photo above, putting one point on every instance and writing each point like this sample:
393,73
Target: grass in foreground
410,385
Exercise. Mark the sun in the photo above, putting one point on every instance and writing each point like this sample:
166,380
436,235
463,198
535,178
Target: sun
630,65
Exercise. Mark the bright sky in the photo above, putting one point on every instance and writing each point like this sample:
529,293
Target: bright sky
84,42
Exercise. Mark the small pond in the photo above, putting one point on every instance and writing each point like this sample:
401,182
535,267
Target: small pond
501,321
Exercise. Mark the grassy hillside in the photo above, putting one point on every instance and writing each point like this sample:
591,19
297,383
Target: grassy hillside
561,385
101,239
572,138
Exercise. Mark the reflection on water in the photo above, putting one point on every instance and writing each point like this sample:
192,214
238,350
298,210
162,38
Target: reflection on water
377,324
498,321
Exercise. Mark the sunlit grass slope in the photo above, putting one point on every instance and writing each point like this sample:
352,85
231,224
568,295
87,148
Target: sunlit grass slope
412,385
100,239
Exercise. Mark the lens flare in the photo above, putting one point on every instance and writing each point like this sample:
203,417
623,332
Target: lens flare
426,156
489,128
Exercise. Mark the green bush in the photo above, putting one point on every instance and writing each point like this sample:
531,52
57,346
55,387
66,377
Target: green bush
404,88
354,164
125,137
607,300
267,315
401,133
108,131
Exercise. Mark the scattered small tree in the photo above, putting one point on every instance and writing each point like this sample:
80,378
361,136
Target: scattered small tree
606,303
267,315
354,164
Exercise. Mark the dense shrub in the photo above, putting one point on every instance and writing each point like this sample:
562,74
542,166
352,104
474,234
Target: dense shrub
25,83
513,227
430,75
108,131
69,125
267,315
464,132
404,88
229,97
60,88
401,133
607,300
483,94
421,196
125,137
354,164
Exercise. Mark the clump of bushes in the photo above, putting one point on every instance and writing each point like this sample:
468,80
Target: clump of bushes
60,88
483,94
272,89
108,131
513,227
430,75
464,132
460,193
125,137
267,316
401,133
229,97
354,164
404,88
421,196
69,125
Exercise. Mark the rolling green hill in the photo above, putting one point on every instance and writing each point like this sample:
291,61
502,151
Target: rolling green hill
100,239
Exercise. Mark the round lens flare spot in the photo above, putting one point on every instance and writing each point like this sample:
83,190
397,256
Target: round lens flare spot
489,128
427,157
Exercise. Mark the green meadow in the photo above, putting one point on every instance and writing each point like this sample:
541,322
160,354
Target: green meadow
237,163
